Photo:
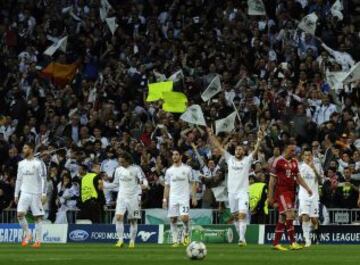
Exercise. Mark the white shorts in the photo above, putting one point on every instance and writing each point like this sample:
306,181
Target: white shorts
309,207
239,202
30,201
178,209
129,205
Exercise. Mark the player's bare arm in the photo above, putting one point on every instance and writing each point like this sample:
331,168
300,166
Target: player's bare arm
260,137
272,184
214,141
302,183
166,196
317,174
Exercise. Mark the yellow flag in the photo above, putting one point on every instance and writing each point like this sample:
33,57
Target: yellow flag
174,102
156,90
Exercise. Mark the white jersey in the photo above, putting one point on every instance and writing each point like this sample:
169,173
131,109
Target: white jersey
31,177
238,173
127,181
109,166
308,174
179,179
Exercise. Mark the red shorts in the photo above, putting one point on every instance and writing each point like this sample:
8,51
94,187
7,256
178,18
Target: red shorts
285,201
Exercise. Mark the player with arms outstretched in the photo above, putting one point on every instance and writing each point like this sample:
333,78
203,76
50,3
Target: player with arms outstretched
30,193
238,181
179,185
283,178
312,173
127,178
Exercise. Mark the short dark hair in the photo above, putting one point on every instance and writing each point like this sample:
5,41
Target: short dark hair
30,145
176,150
306,150
127,156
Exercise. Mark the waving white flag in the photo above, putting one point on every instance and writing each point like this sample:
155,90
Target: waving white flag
103,13
336,9
213,88
256,8
226,124
111,22
335,79
353,74
105,4
60,44
308,23
67,9
194,115
177,76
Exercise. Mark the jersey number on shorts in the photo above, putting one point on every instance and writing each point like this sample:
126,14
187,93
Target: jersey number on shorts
185,209
136,213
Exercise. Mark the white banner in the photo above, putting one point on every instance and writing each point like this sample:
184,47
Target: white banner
353,74
226,124
336,9
335,79
308,23
60,44
111,22
213,88
194,115
177,76
256,8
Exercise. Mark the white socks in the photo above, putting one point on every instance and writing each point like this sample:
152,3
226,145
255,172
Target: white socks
24,225
306,227
174,232
120,230
242,230
38,230
133,231
237,226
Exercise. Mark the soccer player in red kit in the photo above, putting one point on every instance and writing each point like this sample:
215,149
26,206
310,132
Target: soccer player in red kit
283,178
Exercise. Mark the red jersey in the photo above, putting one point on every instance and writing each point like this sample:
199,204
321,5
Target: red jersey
285,172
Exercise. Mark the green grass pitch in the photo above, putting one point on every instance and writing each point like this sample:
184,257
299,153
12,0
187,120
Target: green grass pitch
148,254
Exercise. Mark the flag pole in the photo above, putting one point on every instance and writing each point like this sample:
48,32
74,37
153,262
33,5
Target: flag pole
237,113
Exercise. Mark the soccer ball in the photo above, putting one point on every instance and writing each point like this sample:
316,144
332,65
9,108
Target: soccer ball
196,250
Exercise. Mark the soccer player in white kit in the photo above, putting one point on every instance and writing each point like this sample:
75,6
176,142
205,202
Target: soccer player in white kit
312,173
238,181
179,185
127,178
30,185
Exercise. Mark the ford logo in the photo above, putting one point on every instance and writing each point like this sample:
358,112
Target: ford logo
78,235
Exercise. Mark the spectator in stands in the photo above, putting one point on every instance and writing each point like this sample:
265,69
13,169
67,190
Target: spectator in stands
67,196
92,199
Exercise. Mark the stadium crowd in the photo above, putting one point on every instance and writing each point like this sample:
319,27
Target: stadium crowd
273,73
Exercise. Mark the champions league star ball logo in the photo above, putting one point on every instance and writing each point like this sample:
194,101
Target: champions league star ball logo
194,114
309,23
226,124
258,6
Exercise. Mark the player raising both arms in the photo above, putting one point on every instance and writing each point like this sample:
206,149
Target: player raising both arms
283,178
238,181
309,205
127,178
179,185
30,185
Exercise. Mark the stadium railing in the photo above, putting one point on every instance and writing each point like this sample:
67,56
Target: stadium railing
336,216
